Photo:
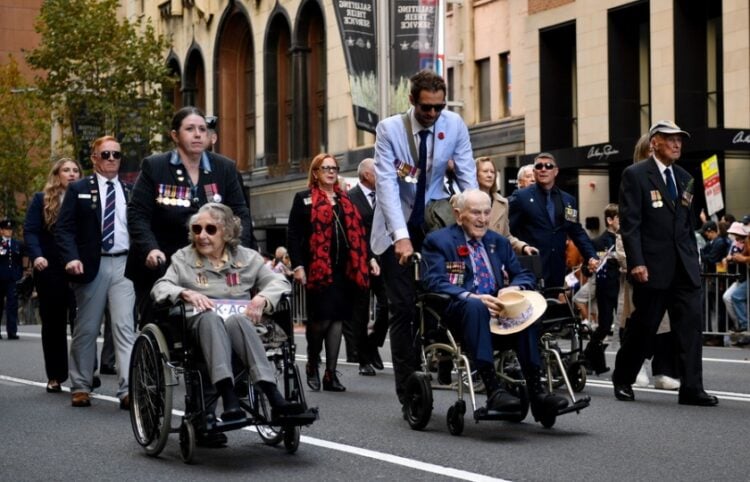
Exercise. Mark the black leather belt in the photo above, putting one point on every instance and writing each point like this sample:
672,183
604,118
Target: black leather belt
115,255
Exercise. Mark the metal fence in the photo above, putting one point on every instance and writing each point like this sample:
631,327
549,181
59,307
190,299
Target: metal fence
716,316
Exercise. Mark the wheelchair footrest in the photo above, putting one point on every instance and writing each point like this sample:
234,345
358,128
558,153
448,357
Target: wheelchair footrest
305,418
483,414
580,404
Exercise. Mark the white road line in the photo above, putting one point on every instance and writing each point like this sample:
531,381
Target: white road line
349,449
738,397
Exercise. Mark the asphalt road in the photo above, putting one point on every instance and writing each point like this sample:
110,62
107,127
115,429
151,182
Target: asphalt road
361,435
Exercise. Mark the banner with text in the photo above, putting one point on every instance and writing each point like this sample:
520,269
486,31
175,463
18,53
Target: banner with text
712,185
414,37
356,21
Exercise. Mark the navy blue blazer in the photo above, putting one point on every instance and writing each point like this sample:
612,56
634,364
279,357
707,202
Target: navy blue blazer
78,231
11,261
40,241
529,221
449,273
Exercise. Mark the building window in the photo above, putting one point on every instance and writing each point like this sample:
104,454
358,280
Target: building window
713,56
484,98
505,85
278,88
557,87
449,80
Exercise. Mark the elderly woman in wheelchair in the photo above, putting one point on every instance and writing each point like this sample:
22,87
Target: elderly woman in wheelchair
215,267
473,265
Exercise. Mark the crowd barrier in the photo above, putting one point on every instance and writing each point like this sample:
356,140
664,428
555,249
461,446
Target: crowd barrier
716,318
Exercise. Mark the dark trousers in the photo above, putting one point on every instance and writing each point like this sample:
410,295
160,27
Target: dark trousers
56,306
683,302
9,301
606,303
355,328
399,287
380,326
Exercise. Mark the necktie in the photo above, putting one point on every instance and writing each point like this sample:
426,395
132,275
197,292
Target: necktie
372,199
483,280
671,187
108,229
550,207
417,215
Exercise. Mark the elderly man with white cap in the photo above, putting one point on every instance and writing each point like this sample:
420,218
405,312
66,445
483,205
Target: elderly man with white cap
657,224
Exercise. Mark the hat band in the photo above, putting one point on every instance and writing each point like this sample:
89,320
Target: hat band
507,323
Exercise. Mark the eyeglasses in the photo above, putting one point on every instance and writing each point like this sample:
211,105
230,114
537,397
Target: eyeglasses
428,107
197,229
116,155
544,165
329,168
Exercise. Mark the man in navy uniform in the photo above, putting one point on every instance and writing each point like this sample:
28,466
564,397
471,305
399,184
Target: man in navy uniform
11,270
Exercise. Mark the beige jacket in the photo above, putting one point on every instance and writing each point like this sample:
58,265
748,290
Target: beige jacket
499,222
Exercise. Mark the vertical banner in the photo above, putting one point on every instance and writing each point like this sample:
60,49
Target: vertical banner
356,21
415,41
712,185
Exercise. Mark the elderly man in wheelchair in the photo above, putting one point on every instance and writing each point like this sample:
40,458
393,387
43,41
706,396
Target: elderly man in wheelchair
472,265
215,267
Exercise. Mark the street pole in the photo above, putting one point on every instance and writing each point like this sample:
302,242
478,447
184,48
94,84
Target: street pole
384,59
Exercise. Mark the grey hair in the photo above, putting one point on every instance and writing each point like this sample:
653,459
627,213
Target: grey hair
224,216
460,200
364,166
523,170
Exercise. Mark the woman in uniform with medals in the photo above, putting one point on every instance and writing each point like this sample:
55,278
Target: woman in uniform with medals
171,187
329,256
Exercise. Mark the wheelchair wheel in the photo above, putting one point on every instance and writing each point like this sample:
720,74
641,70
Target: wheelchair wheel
270,435
291,439
577,376
150,394
187,441
548,419
455,417
418,400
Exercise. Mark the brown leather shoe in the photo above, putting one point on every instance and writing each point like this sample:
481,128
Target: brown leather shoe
125,403
81,399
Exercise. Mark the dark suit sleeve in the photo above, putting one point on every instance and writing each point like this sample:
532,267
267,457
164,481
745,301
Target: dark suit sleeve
517,274
65,227
141,210
515,213
33,226
298,232
630,218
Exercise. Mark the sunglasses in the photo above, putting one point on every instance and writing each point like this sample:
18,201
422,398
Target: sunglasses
197,229
544,165
429,107
116,155
329,168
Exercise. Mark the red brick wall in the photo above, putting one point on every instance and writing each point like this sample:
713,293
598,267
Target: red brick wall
17,18
536,6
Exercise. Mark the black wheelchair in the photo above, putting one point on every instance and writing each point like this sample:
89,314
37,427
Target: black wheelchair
164,352
439,346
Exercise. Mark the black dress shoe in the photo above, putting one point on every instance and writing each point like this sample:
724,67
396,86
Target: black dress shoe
701,399
53,386
502,401
313,377
331,382
375,359
211,440
96,383
232,414
13,337
624,393
366,370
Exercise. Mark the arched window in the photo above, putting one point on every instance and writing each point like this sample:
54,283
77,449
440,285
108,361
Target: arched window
278,88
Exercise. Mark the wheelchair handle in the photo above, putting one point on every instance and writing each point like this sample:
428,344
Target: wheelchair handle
416,261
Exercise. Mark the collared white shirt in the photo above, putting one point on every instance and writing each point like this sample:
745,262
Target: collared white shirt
662,169
366,191
122,239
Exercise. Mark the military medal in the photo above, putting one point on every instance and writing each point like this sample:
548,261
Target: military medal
233,279
656,199
212,192
201,279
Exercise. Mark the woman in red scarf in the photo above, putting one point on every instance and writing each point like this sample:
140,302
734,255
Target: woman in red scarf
329,254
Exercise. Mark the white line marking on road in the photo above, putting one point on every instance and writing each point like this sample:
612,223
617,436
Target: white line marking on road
738,397
372,454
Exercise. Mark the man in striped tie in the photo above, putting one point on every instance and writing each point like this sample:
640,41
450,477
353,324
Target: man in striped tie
92,236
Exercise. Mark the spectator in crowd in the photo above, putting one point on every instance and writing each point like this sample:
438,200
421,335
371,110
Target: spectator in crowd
543,215
739,237
281,263
170,188
716,249
656,220
11,270
92,237
364,199
607,289
469,262
56,299
739,294
487,180
326,242
408,178
525,176
215,266
664,367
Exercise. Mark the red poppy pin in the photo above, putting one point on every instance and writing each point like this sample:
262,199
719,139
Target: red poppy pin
441,135
463,250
